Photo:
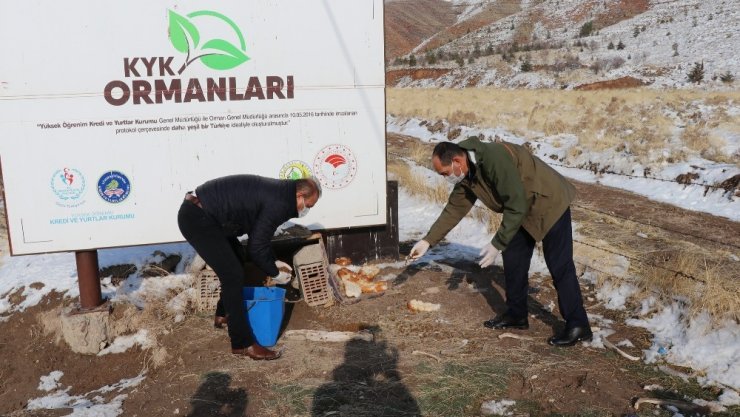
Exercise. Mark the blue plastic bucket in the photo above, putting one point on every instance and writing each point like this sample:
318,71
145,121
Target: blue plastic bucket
264,308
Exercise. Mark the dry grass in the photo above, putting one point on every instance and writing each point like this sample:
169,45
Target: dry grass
491,220
695,137
420,153
721,289
714,290
641,118
714,287
417,184
591,228
161,309
454,388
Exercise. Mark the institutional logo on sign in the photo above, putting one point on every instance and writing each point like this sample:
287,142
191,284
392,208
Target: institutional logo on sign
68,184
216,53
335,166
295,170
114,187
203,36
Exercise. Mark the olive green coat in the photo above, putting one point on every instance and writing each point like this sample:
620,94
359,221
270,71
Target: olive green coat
509,180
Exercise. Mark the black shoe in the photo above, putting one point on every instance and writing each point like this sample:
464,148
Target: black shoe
292,295
570,337
505,321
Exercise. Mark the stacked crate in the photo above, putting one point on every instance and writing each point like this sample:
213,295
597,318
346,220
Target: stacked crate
312,269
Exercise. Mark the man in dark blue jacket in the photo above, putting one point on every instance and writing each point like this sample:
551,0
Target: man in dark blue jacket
221,209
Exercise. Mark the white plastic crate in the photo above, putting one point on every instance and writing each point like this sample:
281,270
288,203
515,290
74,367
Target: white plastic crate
312,269
208,290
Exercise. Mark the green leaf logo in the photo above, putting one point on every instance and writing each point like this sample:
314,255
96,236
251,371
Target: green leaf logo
218,54
180,30
229,56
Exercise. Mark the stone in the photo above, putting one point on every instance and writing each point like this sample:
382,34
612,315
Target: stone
86,332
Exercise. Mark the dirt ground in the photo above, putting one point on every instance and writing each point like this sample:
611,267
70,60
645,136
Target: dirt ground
442,363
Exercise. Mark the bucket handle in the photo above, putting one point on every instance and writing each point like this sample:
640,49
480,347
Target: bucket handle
254,303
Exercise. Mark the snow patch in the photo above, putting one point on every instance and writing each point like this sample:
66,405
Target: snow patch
51,381
615,295
693,342
89,404
497,408
124,343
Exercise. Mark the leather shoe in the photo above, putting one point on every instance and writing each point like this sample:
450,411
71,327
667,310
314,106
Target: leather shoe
257,353
505,321
219,322
570,337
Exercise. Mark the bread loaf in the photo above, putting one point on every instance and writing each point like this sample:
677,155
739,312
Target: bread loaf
417,306
343,261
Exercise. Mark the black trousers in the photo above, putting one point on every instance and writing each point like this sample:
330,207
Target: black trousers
558,250
224,254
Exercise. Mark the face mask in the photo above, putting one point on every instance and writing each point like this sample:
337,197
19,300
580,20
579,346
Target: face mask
455,178
304,210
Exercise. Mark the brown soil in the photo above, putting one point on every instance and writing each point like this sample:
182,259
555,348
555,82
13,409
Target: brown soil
393,76
199,377
706,229
623,82
617,11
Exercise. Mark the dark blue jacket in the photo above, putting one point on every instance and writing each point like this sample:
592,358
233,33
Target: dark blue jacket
253,205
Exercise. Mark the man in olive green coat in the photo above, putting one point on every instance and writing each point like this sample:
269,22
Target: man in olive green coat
534,200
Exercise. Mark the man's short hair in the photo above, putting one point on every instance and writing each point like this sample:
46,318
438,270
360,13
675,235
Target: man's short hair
445,151
308,187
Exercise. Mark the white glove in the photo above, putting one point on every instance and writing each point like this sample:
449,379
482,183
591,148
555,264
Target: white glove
282,266
419,249
282,278
489,254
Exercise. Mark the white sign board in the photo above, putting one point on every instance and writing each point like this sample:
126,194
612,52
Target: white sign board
111,111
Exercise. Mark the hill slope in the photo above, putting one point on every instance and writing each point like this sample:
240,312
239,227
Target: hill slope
567,43
409,23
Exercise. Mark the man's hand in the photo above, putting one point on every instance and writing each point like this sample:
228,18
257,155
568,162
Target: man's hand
282,278
282,266
284,275
488,255
419,249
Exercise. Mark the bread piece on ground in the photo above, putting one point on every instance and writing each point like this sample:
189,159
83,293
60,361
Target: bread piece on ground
343,261
359,281
373,287
418,306
346,274
351,289
369,271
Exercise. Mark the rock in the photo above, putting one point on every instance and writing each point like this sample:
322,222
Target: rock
163,268
117,273
85,332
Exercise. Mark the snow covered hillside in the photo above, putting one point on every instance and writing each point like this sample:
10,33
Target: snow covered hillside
567,43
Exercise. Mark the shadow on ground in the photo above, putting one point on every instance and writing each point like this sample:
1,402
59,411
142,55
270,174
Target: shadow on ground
366,384
466,271
214,398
